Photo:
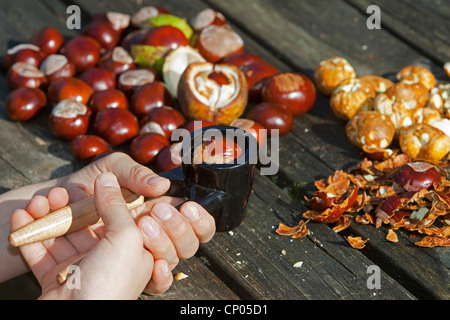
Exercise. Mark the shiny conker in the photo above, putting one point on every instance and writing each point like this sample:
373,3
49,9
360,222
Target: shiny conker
83,51
272,116
256,73
169,157
116,125
102,32
57,66
163,120
69,88
149,96
69,119
86,147
130,80
146,147
24,103
26,53
165,36
211,43
99,79
294,90
117,60
111,98
25,75
48,39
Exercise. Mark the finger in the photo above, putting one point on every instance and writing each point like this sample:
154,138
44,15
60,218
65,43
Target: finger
161,280
177,228
201,221
111,205
36,255
58,198
133,176
157,241
38,207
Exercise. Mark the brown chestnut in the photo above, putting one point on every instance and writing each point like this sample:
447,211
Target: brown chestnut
57,66
272,116
25,75
86,147
294,90
130,80
416,176
140,19
116,125
83,51
69,88
24,103
163,120
241,59
117,21
169,157
111,98
117,60
133,38
256,73
99,79
69,119
149,96
146,147
49,40
26,53
216,42
166,36
206,18
102,32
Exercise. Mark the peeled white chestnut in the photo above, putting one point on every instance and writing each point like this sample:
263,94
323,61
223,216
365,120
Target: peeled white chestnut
213,92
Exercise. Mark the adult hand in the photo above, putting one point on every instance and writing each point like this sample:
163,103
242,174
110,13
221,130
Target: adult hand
166,233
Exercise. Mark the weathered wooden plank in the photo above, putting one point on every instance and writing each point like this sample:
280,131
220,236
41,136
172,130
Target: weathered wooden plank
261,263
306,32
423,24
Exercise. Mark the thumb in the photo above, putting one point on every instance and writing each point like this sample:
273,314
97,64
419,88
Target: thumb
110,203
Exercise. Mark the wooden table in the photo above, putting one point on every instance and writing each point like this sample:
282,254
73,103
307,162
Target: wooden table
253,262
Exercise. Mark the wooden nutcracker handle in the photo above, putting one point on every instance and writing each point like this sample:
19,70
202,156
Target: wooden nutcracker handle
76,216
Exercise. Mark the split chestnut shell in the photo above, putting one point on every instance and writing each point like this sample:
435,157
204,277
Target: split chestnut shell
213,92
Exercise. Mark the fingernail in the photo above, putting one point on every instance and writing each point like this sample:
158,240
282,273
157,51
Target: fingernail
165,269
155,179
108,180
149,227
190,212
163,211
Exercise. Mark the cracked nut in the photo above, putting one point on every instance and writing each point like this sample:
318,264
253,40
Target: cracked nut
423,141
397,110
414,94
370,129
414,74
331,72
350,98
211,92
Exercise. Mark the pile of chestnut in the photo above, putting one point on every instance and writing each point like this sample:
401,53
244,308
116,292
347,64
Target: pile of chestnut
102,96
